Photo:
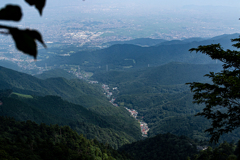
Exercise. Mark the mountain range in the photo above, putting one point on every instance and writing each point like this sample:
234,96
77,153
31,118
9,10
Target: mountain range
129,56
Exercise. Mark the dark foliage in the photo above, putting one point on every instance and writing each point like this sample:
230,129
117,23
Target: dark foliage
224,151
162,147
222,96
28,140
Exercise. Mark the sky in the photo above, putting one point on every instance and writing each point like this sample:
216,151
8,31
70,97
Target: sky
156,3
212,13
159,3
129,5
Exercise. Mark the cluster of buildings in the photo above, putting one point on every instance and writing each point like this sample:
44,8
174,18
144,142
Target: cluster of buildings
143,125
106,90
144,128
133,112
109,94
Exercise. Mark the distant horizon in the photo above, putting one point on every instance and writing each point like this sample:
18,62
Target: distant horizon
123,20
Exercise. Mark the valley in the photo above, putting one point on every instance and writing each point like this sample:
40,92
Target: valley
124,96
134,113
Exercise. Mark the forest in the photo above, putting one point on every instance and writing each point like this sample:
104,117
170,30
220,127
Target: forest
28,140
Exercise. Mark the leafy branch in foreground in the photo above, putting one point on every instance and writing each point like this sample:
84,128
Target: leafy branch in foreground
222,97
25,40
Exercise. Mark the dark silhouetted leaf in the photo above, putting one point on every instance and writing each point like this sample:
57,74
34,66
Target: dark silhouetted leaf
25,40
11,12
39,4
36,35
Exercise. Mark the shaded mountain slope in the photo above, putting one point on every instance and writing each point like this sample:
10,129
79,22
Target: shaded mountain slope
28,141
161,147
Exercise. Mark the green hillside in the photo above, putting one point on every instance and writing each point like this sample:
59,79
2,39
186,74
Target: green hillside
190,126
224,151
162,99
160,110
169,74
67,89
123,127
172,147
163,146
54,110
28,141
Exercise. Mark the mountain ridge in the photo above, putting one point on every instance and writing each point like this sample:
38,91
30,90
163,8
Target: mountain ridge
129,56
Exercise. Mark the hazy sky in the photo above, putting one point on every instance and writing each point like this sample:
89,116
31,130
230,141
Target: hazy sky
210,15
147,5
169,3
160,3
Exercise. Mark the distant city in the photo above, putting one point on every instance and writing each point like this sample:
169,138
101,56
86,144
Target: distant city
92,27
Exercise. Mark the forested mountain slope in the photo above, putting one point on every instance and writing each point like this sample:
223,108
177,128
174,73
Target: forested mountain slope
18,81
28,141
75,90
169,74
171,147
162,99
55,110
163,146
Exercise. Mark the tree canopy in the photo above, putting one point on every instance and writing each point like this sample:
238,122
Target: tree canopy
222,96
25,39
